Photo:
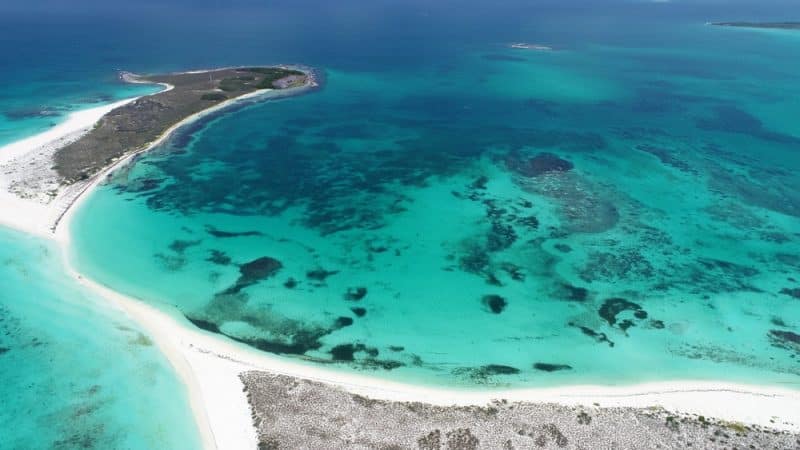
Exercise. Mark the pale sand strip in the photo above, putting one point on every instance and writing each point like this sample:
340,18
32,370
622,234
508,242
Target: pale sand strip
30,215
209,365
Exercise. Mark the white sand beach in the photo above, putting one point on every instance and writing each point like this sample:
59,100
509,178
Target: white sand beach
210,365
30,157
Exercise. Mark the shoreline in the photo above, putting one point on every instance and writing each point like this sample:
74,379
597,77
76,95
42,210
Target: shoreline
210,366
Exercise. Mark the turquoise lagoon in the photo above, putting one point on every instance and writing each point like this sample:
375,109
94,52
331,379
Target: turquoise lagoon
602,213
77,373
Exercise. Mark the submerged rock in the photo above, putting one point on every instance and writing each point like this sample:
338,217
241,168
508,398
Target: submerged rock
320,274
613,306
358,311
204,324
254,271
495,303
793,292
230,234
355,294
500,237
482,374
596,335
786,340
219,257
259,269
546,367
179,246
573,293
540,164
343,352
343,321
563,248
347,353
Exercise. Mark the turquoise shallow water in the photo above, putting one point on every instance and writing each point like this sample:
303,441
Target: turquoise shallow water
606,213
42,104
76,373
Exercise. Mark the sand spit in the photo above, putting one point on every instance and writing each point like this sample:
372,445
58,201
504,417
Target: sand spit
31,194
35,192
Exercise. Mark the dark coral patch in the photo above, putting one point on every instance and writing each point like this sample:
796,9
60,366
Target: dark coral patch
793,292
734,120
230,234
254,271
343,352
530,221
347,353
495,303
546,367
219,257
785,339
498,369
613,306
204,324
596,335
666,157
320,274
343,321
541,164
728,267
301,344
514,271
358,311
355,294
777,321
482,374
180,246
573,293
480,182
259,269
563,248
500,237
291,283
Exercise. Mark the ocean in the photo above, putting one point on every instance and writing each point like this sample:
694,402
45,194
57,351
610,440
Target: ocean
77,373
447,209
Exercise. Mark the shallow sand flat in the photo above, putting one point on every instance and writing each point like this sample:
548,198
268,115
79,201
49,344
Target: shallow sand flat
291,413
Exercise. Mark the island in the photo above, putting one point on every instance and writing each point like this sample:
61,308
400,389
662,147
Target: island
764,25
42,176
292,412
135,125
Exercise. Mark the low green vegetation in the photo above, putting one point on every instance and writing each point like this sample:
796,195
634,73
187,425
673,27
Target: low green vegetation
214,96
233,84
271,75
265,78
